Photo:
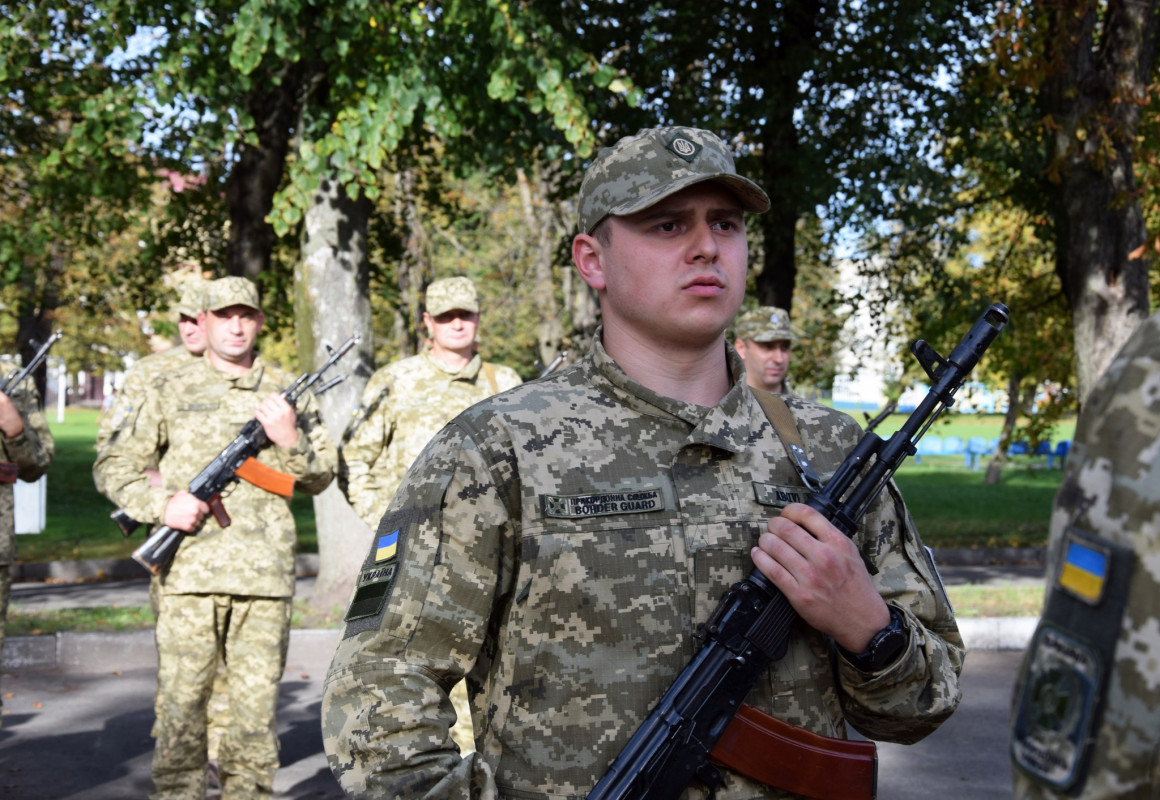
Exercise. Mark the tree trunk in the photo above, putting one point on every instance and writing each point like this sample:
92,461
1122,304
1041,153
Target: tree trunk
332,303
539,219
1094,99
256,175
995,468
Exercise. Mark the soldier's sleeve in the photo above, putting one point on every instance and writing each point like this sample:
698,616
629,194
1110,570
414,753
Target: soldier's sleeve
438,569
363,442
126,404
119,469
910,698
313,459
32,449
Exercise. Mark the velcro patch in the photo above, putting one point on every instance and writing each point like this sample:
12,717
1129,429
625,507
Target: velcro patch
1056,708
771,494
579,506
1085,569
374,584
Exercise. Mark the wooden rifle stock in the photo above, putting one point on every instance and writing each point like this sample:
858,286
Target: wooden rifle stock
778,754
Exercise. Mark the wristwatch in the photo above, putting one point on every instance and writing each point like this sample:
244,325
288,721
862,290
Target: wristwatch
884,647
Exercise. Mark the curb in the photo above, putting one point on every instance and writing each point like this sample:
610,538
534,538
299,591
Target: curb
104,652
307,564
111,569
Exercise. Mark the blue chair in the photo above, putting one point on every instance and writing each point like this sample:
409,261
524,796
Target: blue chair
976,446
927,446
953,446
1017,449
1060,452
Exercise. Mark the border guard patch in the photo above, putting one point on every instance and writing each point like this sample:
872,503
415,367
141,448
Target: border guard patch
602,504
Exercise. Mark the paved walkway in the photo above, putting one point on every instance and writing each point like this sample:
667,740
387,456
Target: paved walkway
78,707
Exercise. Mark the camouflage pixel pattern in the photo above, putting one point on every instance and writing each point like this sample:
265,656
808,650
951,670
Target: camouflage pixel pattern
192,631
403,406
32,452
449,294
643,169
765,324
139,381
557,546
192,299
194,412
1112,489
231,291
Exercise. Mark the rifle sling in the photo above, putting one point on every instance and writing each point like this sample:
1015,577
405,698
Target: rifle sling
8,472
779,415
268,478
793,759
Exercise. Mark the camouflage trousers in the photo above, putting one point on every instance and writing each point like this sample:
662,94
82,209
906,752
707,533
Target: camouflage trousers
250,635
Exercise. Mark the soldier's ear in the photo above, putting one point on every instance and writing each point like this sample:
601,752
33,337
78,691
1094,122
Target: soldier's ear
587,255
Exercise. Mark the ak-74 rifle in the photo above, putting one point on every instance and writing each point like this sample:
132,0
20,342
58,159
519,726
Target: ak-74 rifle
235,462
750,627
8,470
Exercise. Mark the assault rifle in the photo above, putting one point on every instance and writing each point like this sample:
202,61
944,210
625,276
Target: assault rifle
235,462
8,470
750,627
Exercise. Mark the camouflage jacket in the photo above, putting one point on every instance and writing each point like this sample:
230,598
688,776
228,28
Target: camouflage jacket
1109,499
139,380
193,413
558,544
403,406
31,451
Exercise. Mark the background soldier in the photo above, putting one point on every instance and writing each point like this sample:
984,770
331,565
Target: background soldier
1087,710
559,542
27,443
764,341
405,403
141,376
228,590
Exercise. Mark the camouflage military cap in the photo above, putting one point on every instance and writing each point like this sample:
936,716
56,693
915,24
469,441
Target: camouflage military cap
765,324
192,300
448,294
641,170
232,291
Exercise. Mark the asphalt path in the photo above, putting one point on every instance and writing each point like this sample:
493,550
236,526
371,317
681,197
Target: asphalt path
81,730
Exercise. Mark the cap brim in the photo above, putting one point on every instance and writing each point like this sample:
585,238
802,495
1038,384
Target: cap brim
752,198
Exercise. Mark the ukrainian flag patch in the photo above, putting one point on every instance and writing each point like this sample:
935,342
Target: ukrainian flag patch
1085,570
387,546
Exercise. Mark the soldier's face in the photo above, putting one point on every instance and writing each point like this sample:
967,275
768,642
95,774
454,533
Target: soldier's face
232,332
454,330
673,274
192,334
766,363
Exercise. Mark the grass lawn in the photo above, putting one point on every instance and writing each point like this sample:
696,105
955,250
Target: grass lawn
77,524
949,502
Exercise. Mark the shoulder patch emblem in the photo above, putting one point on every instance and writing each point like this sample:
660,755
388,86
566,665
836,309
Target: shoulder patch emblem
1085,570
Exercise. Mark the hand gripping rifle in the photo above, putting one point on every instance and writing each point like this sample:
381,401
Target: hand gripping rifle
8,470
235,462
750,627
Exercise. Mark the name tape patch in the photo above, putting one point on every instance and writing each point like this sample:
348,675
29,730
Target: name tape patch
579,506
769,494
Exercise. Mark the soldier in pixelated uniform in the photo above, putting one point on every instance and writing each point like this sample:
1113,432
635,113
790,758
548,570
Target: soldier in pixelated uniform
764,340
558,544
26,442
1086,720
405,403
227,593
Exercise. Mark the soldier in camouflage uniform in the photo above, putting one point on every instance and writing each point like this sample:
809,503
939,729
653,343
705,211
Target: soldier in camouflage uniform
26,442
1086,722
142,375
764,340
557,544
228,590
405,403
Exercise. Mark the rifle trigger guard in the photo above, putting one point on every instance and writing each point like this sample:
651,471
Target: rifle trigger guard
711,777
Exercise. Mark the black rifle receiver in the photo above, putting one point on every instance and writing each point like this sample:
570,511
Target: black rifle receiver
158,550
750,627
18,377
